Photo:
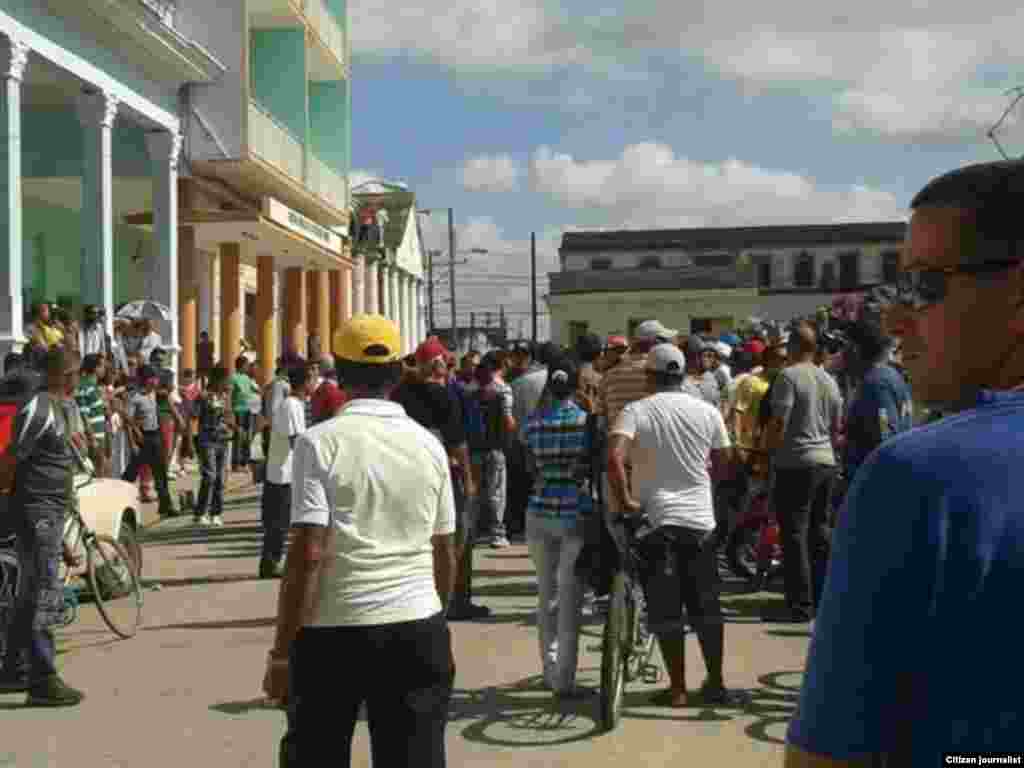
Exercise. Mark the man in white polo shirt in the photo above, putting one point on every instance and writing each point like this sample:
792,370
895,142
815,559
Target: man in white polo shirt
361,614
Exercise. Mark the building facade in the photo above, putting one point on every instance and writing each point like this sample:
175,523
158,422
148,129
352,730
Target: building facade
711,280
189,152
390,256
91,130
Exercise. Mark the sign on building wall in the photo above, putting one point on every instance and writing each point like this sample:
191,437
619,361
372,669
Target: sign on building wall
281,214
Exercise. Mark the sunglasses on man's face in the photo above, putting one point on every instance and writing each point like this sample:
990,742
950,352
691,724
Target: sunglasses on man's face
922,288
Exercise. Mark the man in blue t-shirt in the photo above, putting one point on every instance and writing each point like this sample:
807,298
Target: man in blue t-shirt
881,406
915,653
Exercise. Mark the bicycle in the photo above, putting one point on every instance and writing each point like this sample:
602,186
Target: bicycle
110,572
627,645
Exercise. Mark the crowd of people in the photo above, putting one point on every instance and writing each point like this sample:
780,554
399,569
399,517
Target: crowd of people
382,473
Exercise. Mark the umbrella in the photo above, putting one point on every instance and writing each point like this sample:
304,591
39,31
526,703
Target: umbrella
145,309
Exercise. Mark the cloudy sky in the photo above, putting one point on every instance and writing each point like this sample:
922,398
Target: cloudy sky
544,116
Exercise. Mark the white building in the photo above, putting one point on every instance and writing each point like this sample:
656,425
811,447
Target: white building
711,280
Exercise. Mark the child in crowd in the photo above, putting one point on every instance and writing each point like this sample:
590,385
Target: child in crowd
189,392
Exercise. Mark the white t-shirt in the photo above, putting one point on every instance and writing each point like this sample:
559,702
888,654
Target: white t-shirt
289,421
673,435
381,483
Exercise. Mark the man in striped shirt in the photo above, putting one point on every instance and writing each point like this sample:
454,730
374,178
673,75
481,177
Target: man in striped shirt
626,383
94,411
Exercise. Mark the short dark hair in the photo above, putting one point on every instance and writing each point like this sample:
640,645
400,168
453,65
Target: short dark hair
90,363
13,362
992,193
298,376
588,347
663,380
217,375
374,377
241,362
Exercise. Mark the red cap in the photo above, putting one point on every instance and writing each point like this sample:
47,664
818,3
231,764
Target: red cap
755,347
430,350
617,341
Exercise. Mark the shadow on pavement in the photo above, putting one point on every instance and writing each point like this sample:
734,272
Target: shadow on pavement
513,589
270,621
223,554
774,705
788,632
195,581
522,714
509,556
485,573
244,707
192,534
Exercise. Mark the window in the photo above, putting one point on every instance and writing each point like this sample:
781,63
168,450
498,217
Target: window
803,270
601,263
828,276
764,274
650,262
890,266
577,330
708,260
849,271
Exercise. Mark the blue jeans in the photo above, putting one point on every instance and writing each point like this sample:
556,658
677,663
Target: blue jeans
212,458
493,491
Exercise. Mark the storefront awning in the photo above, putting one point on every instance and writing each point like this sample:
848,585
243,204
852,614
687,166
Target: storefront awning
292,239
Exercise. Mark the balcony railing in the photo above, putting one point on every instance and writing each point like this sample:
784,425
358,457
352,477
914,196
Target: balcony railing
684,279
327,26
274,143
327,183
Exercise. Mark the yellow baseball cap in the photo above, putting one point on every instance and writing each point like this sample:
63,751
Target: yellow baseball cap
368,339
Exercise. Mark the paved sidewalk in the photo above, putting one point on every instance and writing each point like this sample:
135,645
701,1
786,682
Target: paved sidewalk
186,690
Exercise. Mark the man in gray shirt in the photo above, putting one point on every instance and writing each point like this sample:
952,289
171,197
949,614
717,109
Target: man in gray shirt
806,409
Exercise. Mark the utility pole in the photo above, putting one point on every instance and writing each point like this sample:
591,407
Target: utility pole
472,327
431,255
533,285
503,322
451,275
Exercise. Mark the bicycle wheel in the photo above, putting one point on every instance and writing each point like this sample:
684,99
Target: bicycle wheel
115,585
641,641
613,660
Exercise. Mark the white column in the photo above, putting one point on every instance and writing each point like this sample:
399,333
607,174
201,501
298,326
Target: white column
403,313
410,310
393,298
385,291
205,309
14,57
421,313
355,284
97,112
370,305
164,149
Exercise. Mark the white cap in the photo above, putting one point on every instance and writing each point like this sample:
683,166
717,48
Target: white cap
652,329
724,350
666,358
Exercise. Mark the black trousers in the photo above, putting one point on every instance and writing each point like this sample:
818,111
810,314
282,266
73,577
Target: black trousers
520,483
151,454
276,509
802,499
403,673
681,569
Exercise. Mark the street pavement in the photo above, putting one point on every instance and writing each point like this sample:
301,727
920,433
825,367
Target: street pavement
186,690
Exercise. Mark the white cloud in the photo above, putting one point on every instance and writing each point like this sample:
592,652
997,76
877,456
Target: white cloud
489,173
648,186
499,278
468,34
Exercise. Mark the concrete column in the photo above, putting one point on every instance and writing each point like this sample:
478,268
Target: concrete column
13,57
384,280
230,307
213,292
421,313
340,284
295,309
393,296
358,283
370,286
410,310
403,313
96,113
188,295
322,300
164,149
265,316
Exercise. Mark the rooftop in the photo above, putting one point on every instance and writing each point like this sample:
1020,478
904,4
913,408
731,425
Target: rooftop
735,238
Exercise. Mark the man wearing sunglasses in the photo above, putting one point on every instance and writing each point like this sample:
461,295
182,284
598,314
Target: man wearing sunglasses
929,551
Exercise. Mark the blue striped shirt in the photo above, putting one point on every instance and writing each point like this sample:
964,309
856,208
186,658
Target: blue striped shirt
557,437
